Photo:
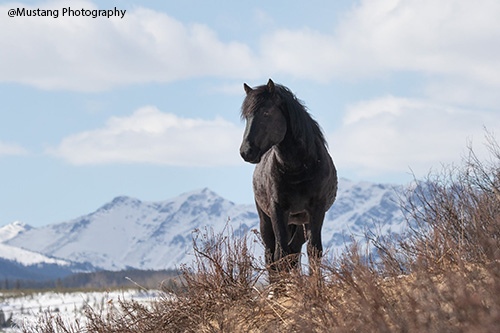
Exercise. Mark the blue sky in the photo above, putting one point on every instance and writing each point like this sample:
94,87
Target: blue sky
148,105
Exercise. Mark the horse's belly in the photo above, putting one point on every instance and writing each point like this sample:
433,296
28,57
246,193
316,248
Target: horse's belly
299,218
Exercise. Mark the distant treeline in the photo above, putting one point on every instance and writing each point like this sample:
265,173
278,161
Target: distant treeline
101,280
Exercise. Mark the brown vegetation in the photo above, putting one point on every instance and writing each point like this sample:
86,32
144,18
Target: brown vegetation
442,276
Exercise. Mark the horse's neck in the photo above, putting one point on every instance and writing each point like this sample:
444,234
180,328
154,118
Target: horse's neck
294,154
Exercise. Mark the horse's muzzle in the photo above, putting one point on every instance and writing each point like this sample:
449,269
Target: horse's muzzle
250,154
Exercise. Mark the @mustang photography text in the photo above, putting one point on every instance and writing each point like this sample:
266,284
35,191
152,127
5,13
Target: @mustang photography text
67,12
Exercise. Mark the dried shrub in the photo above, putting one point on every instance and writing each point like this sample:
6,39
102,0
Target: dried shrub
455,215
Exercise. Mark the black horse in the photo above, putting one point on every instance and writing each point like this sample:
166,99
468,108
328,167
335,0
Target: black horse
295,181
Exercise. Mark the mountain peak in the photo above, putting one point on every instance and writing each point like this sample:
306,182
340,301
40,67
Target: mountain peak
208,196
121,201
124,199
202,191
203,194
13,229
20,224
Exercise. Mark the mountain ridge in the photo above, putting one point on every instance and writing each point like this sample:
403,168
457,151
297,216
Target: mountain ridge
129,233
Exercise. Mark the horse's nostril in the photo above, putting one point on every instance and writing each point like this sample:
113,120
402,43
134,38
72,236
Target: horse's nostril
249,153
245,153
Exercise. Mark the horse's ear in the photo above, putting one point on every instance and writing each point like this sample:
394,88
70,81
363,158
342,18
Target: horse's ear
247,88
270,86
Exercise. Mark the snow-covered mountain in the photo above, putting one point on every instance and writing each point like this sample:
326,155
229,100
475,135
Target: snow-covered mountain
20,255
129,233
20,263
359,207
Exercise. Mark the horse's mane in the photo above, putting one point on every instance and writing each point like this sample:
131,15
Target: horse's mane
304,128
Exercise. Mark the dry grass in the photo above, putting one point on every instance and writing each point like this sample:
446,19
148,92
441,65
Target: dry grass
443,276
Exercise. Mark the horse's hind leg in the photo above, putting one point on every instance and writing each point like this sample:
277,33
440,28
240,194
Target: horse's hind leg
296,242
314,246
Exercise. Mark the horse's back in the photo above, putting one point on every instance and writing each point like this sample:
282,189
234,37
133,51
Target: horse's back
331,183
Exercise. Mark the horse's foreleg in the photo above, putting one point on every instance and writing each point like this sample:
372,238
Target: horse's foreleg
267,234
279,219
314,246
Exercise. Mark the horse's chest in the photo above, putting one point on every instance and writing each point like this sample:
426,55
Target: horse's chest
290,191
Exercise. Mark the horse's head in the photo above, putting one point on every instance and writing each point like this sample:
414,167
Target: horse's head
265,121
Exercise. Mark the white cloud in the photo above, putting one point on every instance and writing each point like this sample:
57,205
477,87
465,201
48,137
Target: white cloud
464,92
152,136
228,89
456,40
78,53
453,40
11,149
391,134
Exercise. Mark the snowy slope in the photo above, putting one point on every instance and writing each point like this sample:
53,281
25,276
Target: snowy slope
20,264
19,255
362,206
26,257
71,306
127,232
